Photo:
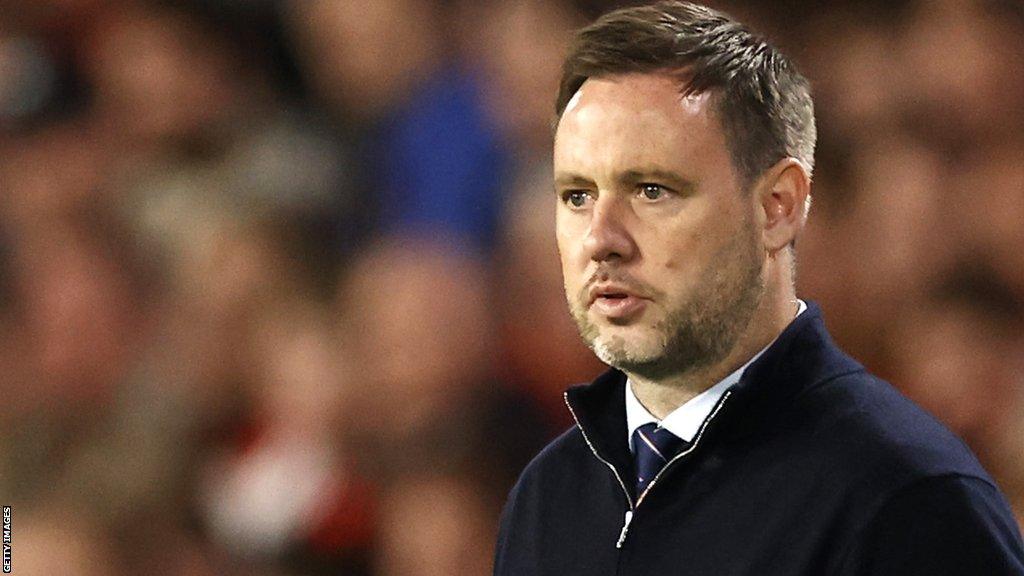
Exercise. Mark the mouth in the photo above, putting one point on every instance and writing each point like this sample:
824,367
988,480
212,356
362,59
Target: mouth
611,291
616,303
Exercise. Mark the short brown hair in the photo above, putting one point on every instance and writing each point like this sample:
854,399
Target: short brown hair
763,102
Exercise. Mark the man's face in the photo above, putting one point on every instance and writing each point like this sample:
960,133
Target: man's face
661,256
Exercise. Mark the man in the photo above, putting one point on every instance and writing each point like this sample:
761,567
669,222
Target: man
732,436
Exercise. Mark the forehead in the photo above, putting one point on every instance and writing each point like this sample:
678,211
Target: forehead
636,119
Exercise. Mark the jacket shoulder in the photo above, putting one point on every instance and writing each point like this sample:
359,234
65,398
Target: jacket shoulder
557,470
870,426
567,451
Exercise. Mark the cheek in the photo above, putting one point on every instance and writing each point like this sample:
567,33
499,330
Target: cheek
680,251
567,260
679,245
569,241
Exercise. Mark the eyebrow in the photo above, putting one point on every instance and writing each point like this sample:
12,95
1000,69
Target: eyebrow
570,180
629,178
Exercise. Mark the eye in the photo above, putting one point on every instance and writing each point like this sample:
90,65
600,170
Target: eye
652,191
575,198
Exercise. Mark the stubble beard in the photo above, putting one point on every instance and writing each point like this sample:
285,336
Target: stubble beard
694,334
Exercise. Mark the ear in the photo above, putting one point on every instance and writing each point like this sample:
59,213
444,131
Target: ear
784,197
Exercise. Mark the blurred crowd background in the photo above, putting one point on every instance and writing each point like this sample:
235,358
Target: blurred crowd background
279,292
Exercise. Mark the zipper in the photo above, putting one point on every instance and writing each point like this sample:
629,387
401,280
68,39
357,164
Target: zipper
625,528
632,507
615,471
700,433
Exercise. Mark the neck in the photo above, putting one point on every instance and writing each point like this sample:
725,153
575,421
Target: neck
663,395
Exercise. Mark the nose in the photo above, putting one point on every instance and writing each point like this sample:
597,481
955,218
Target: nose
608,237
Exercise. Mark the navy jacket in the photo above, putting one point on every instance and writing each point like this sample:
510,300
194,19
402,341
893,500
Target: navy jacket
808,466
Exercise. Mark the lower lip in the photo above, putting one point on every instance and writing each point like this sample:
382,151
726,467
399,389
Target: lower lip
620,308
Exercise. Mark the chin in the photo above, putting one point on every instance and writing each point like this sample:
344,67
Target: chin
623,351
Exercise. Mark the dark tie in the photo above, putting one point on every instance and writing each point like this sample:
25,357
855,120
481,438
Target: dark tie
653,447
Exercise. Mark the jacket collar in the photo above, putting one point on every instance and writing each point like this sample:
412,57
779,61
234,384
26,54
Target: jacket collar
803,356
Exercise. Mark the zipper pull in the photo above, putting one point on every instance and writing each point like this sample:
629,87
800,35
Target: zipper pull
625,528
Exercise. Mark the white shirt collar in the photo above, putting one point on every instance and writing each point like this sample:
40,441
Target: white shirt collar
687,419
